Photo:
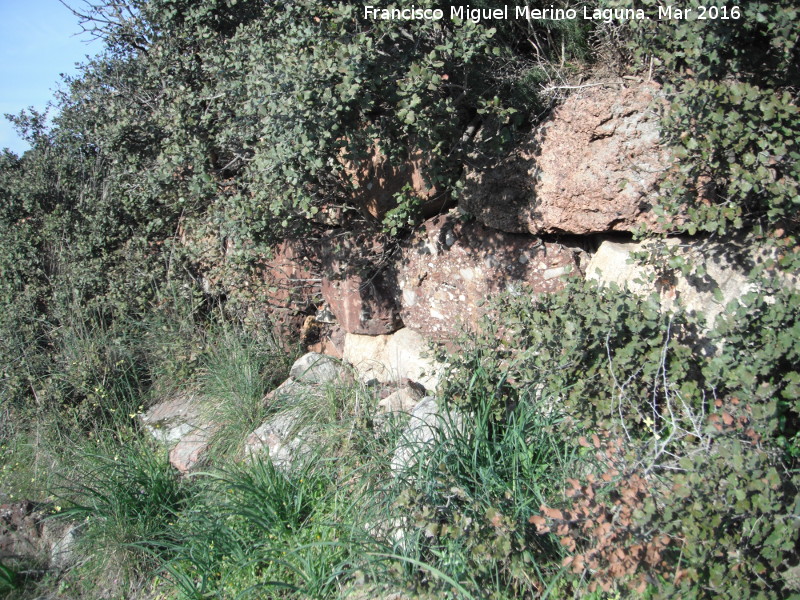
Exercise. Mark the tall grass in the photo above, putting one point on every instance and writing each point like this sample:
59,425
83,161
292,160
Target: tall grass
263,532
237,370
452,523
466,497
128,499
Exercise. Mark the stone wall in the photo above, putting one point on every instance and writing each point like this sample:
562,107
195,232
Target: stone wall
562,205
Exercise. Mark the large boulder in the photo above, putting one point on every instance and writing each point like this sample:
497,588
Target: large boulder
393,358
450,268
592,167
358,282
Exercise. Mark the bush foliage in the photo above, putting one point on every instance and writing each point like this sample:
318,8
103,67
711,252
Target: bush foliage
609,450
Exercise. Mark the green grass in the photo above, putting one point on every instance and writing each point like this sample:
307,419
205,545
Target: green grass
128,498
340,522
236,372
468,497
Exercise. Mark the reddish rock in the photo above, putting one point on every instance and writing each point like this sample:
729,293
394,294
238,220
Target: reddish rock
192,447
592,167
365,307
293,284
182,423
331,341
451,267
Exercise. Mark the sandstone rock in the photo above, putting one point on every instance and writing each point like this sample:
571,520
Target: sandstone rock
593,166
375,182
170,420
450,268
182,423
365,307
388,358
190,449
725,279
317,368
292,284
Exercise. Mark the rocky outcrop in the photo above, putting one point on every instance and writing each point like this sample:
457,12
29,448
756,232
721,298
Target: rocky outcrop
591,170
376,180
182,424
592,167
29,537
450,268
286,437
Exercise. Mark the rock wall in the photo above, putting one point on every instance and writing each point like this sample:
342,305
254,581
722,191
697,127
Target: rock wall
590,170
592,167
450,267
563,205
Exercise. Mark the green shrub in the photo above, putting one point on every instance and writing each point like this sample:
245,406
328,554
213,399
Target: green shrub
758,359
733,116
598,352
688,483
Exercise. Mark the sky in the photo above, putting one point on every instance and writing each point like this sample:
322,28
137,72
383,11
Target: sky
39,40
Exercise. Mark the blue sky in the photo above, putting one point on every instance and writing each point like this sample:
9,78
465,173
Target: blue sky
38,43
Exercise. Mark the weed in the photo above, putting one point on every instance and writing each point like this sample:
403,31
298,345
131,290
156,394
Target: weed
237,371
